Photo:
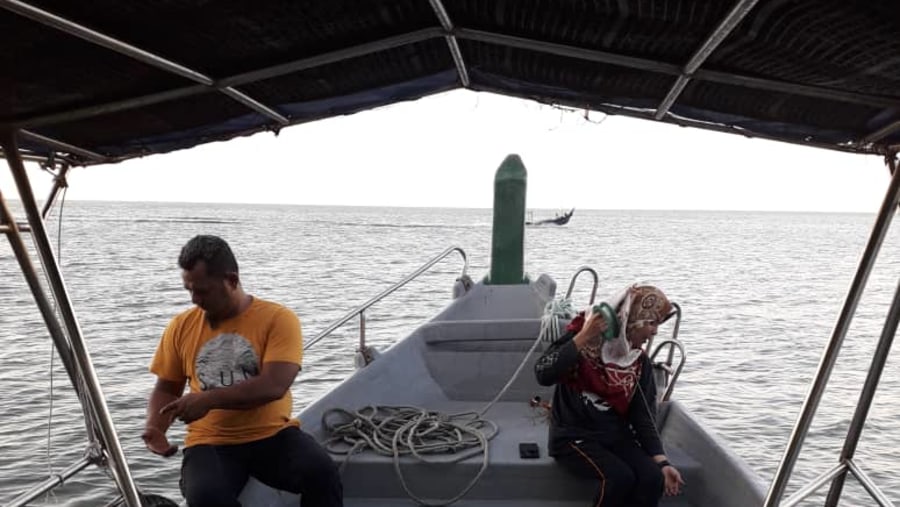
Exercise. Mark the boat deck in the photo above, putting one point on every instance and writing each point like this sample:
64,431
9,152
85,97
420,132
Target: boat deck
371,480
457,366
405,502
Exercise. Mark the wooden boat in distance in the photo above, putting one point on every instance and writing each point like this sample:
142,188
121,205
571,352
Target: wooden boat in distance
557,220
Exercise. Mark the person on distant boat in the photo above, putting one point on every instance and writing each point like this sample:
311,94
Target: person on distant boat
239,354
603,413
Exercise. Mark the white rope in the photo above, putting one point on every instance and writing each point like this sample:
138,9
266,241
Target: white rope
59,223
397,431
554,311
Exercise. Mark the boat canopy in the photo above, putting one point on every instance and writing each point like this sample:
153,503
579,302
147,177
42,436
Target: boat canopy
110,80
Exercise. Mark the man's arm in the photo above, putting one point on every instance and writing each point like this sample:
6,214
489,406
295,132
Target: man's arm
154,436
272,382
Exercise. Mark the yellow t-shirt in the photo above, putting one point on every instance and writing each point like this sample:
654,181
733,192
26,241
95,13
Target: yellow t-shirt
234,351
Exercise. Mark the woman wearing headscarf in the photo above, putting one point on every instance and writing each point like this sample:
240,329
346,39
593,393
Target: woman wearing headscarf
603,415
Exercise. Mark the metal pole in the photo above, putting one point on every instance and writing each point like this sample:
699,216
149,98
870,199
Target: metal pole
662,67
882,350
32,157
882,132
235,80
829,356
61,146
455,52
119,466
121,47
54,481
352,313
43,303
817,483
82,32
596,283
20,228
731,21
870,486
677,314
362,330
675,333
59,181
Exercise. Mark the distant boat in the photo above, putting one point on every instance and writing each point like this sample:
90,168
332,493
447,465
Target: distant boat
557,220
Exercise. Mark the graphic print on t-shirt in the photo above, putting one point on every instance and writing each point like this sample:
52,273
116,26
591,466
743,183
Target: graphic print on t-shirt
226,360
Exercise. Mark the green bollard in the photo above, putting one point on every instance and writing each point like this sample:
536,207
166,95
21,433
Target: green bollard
508,236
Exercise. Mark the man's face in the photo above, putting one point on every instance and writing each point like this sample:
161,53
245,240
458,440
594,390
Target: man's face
211,293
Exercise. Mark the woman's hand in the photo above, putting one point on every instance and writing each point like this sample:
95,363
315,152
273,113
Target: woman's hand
590,333
673,479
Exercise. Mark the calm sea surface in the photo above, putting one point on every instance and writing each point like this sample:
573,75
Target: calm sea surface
760,293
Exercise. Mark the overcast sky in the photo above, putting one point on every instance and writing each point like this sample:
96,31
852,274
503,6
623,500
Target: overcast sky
443,151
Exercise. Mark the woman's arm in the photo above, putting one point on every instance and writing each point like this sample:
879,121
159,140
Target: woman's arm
557,361
562,356
642,412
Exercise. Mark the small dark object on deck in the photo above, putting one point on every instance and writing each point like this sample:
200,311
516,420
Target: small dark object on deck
529,450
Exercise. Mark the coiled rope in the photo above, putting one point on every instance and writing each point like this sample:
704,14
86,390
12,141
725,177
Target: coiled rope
397,431
554,311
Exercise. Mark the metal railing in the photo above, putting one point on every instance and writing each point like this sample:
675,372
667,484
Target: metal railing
578,272
361,309
57,479
826,365
673,343
104,447
671,375
834,473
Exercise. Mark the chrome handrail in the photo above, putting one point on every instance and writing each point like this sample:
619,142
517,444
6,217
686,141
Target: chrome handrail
55,480
869,485
593,273
814,485
832,349
360,310
677,314
672,343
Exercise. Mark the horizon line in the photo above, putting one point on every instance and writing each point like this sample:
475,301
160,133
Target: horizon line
394,206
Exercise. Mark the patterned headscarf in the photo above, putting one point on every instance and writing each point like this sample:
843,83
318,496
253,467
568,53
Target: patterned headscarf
648,306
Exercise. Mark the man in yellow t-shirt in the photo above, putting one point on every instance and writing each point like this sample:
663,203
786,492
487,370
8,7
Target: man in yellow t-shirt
239,354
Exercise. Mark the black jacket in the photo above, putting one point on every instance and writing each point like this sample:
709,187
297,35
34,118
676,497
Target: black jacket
575,417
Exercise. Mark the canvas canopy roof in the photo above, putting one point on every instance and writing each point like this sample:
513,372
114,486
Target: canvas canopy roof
108,80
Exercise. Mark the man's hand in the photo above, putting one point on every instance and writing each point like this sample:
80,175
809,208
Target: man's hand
156,441
188,408
674,482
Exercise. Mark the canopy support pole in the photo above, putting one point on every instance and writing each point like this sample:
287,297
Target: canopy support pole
832,349
452,43
879,359
111,448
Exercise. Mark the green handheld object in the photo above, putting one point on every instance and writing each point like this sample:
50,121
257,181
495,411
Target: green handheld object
612,320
